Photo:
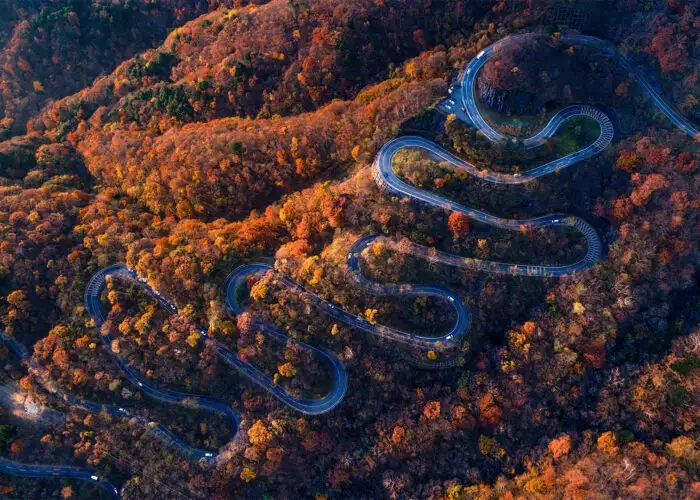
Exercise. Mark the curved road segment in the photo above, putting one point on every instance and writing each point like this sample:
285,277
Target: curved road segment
636,73
387,179
92,301
42,470
57,471
310,407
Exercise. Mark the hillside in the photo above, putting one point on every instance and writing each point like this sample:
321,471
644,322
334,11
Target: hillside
187,139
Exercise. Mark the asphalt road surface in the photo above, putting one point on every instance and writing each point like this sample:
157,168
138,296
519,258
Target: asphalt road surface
387,179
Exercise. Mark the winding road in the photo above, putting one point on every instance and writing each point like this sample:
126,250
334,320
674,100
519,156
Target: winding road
57,471
93,293
386,179
310,407
43,470
636,73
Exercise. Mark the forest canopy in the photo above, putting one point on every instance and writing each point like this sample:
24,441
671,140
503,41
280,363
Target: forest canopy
185,139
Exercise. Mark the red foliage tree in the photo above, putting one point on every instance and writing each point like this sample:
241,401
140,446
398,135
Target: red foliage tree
458,224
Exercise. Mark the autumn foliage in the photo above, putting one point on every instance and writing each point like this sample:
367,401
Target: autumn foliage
188,138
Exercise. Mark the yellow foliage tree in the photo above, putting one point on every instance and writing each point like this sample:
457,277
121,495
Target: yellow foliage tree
258,434
685,448
287,370
607,443
411,70
113,297
248,474
259,291
299,162
17,297
371,315
193,340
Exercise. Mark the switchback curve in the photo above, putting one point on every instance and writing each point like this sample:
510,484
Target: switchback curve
636,73
389,181
309,407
